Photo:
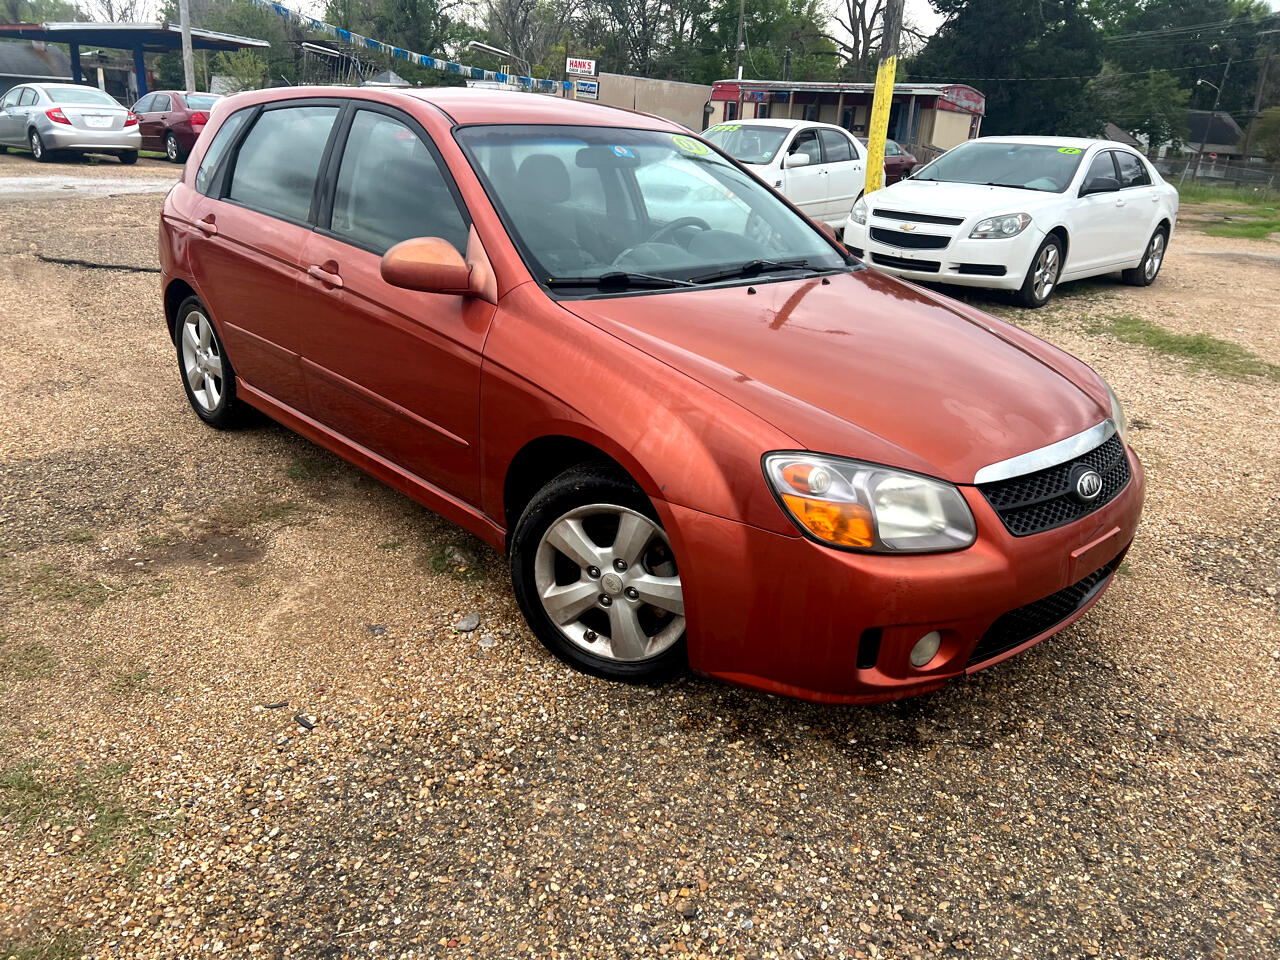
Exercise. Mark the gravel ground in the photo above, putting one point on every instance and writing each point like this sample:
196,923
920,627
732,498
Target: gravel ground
238,717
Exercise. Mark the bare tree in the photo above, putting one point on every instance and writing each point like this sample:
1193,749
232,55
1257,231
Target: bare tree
529,28
862,22
119,11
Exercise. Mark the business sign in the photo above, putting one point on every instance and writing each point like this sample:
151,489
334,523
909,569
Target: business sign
581,67
587,89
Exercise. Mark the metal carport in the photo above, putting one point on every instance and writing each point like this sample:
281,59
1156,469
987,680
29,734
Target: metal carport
141,38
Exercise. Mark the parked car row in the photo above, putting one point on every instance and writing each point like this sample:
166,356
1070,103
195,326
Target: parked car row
50,119
703,432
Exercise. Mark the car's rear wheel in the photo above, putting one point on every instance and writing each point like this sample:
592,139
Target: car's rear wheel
173,149
206,371
38,148
1144,274
1042,276
128,157
596,577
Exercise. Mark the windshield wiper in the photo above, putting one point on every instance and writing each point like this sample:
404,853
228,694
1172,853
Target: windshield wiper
618,278
752,268
1015,186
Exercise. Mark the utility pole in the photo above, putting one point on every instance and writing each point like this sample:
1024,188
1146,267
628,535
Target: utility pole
1257,104
188,61
786,65
1209,124
737,62
882,100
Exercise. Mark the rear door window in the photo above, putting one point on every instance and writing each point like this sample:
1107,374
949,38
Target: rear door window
28,97
226,136
1133,172
391,188
836,146
276,168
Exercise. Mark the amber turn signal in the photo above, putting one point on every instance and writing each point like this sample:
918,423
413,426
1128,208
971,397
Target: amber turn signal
844,524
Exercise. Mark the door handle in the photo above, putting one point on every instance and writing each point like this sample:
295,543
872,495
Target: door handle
325,276
1120,203
207,225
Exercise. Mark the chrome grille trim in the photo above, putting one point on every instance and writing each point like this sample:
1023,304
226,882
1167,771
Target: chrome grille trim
1050,456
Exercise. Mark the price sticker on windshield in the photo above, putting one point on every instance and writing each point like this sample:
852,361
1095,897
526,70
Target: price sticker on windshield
725,128
690,145
1069,150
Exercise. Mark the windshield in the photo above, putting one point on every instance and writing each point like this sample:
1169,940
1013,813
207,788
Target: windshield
81,95
1030,166
201,101
592,202
749,144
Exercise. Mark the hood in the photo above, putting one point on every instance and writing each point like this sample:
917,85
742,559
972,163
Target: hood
866,366
960,199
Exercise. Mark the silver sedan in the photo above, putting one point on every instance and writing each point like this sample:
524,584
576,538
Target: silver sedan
49,118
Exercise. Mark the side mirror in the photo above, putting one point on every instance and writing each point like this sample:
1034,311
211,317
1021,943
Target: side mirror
1100,185
795,160
429,264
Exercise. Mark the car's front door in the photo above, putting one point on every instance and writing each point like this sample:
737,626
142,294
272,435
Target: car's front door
11,131
805,186
1094,221
140,110
846,173
396,371
248,260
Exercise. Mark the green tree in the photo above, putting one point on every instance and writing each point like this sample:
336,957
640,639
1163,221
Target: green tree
1266,134
243,69
1012,51
1150,105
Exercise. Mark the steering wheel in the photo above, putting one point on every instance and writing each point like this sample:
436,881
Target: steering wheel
662,234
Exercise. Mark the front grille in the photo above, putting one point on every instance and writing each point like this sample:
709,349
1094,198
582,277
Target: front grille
902,263
1020,625
1043,500
917,217
910,241
982,269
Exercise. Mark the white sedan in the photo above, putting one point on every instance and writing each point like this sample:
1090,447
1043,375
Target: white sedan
819,167
1021,214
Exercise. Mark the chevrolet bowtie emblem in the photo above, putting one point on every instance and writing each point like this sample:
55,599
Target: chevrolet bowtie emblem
906,226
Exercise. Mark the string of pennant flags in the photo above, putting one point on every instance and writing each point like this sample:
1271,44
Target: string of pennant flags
532,84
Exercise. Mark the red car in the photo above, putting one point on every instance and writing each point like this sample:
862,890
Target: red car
898,161
701,431
171,121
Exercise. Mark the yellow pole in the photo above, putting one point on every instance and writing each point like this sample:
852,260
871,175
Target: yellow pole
882,99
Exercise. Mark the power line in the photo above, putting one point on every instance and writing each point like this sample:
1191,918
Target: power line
1087,76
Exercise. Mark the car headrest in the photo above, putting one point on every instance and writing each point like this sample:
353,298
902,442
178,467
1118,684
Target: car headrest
544,175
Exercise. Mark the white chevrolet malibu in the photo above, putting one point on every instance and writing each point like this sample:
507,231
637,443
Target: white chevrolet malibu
1021,214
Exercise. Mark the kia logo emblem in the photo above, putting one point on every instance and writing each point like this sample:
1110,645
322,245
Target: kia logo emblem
1088,485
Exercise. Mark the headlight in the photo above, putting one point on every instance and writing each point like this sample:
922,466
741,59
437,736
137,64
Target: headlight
859,212
864,506
1117,413
996,227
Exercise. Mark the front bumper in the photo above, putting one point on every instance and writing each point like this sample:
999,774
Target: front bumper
59,136
994,264
790,616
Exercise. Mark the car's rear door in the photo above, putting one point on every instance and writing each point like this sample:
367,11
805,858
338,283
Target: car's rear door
254,222
1139,206
846,173
396,371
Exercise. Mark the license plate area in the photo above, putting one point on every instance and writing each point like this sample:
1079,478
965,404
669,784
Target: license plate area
98,123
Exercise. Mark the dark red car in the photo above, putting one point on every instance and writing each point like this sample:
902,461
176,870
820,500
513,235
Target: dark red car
171,121
702,431
898,161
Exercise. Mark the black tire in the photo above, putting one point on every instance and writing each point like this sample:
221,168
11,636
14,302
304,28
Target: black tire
173,149
579,487
1143,275
38,148
1032,294
227,412
129,158
3,149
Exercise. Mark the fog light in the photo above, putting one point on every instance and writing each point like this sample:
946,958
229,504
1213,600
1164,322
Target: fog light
926,648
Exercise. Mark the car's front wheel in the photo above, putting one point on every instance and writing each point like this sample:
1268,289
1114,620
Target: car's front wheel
596,577
206,371
1144,274
1042,276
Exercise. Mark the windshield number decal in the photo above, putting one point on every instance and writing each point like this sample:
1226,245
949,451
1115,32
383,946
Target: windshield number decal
1069,150
690,145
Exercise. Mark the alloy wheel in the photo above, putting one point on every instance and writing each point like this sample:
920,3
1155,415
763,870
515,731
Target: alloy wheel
171,148
606,577
1046,272
201,361
37,146
1155,255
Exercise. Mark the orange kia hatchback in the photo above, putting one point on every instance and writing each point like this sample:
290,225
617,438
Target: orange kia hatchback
702,431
